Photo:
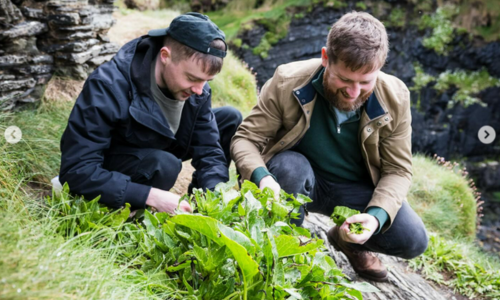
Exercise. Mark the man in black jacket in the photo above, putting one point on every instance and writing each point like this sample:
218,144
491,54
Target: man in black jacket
144,112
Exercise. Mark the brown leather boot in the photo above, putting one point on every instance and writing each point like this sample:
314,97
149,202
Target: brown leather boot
365,263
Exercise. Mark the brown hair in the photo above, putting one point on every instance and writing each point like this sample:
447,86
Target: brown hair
210,64
359,40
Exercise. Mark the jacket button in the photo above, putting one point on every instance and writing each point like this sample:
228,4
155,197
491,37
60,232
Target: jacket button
297,92
369,129
379,123
386,119
282,143
307,112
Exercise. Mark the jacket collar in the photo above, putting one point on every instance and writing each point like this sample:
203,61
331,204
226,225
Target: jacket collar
306,93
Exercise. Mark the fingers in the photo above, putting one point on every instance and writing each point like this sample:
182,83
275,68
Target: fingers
185,206
359,218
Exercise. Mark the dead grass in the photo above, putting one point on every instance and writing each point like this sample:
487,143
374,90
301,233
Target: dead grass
60,89
132,24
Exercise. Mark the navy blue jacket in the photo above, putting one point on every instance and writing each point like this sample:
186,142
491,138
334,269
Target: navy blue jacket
116,108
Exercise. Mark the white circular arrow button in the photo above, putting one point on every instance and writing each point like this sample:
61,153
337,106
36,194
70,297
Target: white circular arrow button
13,134
486,134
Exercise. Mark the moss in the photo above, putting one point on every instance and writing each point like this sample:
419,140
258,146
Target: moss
361,5
467,83
299,15
397,18
442,29
277,29
443,199
420,80
237,43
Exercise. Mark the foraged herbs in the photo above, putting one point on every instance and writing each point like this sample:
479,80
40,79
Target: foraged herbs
342,213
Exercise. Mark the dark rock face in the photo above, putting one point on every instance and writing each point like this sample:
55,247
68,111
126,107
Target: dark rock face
40,38
448,132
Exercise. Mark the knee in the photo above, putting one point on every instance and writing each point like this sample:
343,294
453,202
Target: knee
289,164
162,169
230,115
417,244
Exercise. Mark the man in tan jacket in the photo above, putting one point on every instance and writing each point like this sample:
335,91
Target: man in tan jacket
339,130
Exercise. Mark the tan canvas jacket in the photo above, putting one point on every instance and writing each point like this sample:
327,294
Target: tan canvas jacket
282,116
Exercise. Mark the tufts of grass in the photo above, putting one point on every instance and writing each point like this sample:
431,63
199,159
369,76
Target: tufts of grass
443,199
235,85
35,262
469,271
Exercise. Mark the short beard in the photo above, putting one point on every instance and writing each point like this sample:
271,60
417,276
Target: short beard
333,98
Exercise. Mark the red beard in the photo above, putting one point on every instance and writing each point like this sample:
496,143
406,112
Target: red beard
334,97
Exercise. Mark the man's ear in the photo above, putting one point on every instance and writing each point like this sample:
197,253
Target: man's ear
324,57
165,55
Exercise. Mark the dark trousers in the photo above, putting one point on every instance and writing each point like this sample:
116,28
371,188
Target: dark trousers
406,238
158,168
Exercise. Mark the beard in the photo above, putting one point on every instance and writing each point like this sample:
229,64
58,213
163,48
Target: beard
334,97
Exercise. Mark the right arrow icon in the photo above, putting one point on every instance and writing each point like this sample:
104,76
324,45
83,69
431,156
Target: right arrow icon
486,134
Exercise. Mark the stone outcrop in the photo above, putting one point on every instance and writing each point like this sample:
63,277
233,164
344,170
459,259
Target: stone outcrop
41,38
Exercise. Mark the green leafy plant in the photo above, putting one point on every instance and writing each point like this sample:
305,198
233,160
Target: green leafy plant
342,213
442,29
236,245
468,83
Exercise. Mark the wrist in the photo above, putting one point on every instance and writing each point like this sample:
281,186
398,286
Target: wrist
152,197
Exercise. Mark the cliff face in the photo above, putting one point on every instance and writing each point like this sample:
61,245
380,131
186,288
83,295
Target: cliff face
40,38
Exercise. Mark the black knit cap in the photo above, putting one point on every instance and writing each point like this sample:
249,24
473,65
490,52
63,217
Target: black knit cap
194,30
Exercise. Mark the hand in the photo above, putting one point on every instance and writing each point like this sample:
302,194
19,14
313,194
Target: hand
268,181
164,201
366,220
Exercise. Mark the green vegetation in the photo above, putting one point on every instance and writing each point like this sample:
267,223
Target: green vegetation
468,84
397,18
236,245
473,274
235,85
361,6
442,28
342,213
277,28
34,262
31,243
443,198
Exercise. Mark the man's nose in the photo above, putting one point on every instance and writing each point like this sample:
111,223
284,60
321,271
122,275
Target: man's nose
354,90
198,88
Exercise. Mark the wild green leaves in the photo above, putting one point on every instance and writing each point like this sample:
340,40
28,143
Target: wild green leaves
342,213
236,245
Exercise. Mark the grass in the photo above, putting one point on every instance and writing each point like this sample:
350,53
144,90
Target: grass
443,199
35,263
460,265
235,85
